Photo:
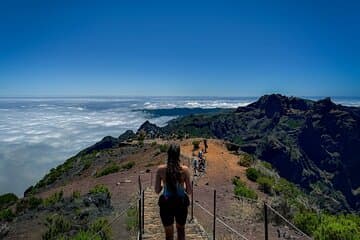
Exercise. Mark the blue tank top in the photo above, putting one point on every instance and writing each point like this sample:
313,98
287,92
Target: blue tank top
180,191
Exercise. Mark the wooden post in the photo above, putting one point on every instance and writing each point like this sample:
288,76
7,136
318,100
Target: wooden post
139,219
192,200
214,220
151,179
142,210
266,221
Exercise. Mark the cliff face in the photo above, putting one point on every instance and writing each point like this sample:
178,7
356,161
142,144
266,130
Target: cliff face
313,143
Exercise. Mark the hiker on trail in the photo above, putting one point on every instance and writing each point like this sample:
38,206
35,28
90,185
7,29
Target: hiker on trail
174,180
205,145
200,154
195,165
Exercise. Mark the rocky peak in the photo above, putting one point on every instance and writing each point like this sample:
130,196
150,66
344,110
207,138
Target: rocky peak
272,104
277,104
128,135
325,105
150,129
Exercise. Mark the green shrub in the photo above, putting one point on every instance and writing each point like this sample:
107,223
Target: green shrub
108,170
7,200
54,198
265,184
246,160
307,221
141,143
85,235
336,228
131,219
141,136
6,215
127,166
34,202
99,189
76,194
267,165
287,189
196,144
163,148
102,228
87,164
28,203
325,226
240,189
57,227
153,144
252,174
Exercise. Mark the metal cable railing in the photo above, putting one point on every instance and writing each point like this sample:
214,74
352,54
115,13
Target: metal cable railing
265,212
116,218
222,222
288,222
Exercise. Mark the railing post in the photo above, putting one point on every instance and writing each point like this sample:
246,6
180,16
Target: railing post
214,221
139,219
142,210
266,221
151,177
192,200
139,181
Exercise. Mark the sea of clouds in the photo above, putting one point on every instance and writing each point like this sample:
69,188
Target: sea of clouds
37,134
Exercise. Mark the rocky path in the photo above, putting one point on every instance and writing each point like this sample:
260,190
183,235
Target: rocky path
153,228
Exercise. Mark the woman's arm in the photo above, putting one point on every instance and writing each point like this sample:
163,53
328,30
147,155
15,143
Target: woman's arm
158,186
187,180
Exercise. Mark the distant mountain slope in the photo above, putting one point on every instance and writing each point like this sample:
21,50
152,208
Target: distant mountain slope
313,143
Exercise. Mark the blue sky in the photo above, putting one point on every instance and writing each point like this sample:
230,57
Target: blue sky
183,48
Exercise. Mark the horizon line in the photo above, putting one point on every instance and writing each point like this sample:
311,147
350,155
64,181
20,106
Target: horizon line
174,96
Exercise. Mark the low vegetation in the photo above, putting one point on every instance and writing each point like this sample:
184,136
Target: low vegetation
57,225
325,226
100,188
163,148
196,144
76,194
267,165
131,219
266,184
141,136
246,160
241,190
102,228
54,198
6,215
84,235
7,200
253,174
28,203
113,168
127,166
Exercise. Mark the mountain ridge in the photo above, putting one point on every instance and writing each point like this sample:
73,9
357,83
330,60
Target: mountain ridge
311,143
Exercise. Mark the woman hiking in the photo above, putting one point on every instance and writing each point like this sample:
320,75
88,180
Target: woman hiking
174,180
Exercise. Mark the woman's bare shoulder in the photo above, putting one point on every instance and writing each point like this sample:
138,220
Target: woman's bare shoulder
185,168
161,167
